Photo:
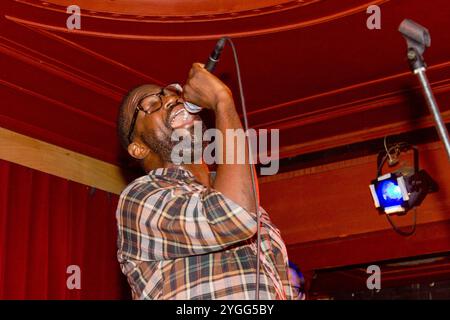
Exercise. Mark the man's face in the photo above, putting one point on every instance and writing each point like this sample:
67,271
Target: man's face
162,113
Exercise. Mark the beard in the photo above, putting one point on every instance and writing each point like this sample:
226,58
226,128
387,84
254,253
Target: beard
163,143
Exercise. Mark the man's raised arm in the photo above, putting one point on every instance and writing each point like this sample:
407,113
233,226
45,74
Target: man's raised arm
232,179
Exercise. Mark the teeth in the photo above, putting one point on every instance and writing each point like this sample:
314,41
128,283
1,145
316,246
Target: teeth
185,115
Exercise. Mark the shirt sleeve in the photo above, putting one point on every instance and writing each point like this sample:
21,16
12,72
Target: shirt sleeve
175,222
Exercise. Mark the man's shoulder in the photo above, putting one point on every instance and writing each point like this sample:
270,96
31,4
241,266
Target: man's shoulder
142,186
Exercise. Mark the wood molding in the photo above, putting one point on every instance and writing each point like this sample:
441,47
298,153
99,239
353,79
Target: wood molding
44,134
344,109
361,135
387,98
336,165
163,12
62,72
96,55
51,159
39,55
198,37
45,98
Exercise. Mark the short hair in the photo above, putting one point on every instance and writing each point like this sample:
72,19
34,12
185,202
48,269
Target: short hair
123,122
124,116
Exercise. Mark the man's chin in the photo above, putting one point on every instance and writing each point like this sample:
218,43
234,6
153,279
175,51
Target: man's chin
189,128
187,123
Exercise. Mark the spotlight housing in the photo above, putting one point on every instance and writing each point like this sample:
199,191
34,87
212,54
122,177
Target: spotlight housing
401,190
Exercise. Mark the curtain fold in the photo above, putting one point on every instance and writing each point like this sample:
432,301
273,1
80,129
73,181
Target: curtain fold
48,224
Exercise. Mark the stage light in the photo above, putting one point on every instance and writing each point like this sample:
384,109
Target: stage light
389,193
401,190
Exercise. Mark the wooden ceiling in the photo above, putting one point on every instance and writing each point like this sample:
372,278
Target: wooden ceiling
177,8
310,68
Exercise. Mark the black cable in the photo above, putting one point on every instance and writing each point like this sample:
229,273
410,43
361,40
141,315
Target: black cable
401,232
398,147
252,172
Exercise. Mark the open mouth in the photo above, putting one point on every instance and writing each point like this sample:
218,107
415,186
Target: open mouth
180,117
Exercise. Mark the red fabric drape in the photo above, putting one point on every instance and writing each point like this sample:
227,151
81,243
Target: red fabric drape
47,224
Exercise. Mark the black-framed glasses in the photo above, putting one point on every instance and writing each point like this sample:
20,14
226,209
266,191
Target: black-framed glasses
152,102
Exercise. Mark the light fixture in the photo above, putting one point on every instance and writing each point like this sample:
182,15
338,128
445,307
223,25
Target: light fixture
403,189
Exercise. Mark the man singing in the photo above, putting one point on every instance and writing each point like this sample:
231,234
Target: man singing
182,235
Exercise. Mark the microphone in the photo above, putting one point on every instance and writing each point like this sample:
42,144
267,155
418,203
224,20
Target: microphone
414,33
210,65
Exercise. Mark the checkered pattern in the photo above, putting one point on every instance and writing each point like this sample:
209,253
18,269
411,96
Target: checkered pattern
178,239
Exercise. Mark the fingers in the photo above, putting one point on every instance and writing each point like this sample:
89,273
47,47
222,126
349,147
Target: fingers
191,72
192,80
203,88
187,92
198,65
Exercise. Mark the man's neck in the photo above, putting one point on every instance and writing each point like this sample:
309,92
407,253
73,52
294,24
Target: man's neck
200,172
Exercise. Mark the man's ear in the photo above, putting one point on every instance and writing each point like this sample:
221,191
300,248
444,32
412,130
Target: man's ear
138,151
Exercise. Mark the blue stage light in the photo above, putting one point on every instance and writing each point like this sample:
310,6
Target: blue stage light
403,189
390,193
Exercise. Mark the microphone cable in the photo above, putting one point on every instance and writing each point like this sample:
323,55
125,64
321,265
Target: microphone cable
252,171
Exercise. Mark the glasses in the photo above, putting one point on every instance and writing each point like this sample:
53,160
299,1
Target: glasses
153,102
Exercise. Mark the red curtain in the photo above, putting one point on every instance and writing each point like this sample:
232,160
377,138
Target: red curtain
48,224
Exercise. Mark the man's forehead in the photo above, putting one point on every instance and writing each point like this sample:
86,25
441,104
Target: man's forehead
146,89
138,93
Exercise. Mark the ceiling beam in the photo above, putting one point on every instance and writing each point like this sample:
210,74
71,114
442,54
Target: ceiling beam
51,159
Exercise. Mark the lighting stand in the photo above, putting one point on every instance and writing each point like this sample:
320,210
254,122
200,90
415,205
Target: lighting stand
417,38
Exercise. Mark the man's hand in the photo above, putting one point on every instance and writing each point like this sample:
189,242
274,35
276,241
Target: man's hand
232,179
206,90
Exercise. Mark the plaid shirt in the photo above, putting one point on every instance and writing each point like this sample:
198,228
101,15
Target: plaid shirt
178,239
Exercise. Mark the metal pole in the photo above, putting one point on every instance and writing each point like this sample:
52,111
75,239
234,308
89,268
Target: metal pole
434,109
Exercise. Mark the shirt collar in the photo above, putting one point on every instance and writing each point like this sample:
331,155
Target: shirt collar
174,173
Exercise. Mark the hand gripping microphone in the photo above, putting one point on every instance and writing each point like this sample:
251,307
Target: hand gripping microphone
210,65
